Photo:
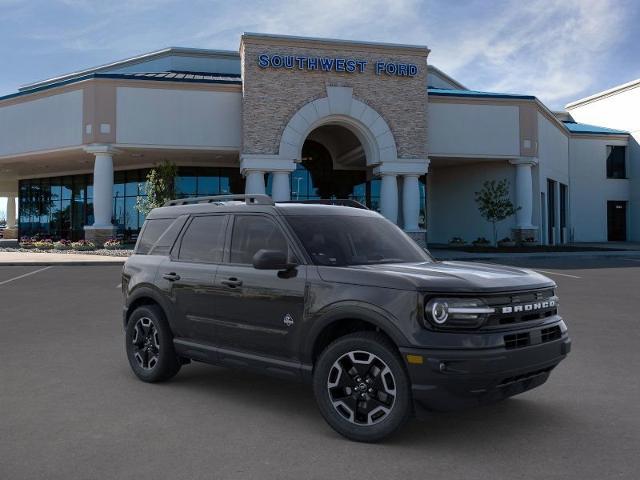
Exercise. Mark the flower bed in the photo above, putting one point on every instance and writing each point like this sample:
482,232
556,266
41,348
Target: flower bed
113,244
83,245
62,245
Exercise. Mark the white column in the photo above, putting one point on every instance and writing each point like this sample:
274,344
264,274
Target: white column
280,187
255,182
389,197
410,202
103,189
524,192
11,211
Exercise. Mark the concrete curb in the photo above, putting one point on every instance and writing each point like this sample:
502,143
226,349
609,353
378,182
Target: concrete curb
61,264
541,255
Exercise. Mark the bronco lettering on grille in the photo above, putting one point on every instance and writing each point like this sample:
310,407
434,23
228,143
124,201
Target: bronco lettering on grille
529,307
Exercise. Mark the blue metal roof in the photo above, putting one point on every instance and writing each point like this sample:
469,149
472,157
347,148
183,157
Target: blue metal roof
444,92
187,77
575,127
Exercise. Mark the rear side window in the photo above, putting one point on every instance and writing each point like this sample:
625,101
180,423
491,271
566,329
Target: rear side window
151,233
203,241
252,233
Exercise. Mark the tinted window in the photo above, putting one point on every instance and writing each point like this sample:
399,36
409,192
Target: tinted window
616,161
345,240
151,233
204,239
167,239
252,233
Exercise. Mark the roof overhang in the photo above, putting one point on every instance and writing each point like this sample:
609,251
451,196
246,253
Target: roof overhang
145,57
605,93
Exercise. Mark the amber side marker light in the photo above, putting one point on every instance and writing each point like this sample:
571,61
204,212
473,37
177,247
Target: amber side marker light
415,359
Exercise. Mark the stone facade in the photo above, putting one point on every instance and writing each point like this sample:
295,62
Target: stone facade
271,96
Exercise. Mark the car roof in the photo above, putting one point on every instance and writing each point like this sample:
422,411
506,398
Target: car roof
286,209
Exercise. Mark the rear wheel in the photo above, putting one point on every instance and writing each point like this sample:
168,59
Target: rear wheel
149,345
362,387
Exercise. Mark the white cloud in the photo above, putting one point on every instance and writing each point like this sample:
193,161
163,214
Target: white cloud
549,48
554,49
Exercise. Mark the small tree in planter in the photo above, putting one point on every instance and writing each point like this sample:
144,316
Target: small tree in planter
160,187
494,203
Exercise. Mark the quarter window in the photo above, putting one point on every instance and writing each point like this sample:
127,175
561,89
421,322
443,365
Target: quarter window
151,233
204,239
252,233
616,162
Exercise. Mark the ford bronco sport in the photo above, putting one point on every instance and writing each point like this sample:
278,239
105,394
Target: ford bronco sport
339,297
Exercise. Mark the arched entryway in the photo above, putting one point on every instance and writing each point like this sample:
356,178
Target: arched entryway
339,147
333,165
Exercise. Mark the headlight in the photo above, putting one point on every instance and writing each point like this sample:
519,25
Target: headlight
457,312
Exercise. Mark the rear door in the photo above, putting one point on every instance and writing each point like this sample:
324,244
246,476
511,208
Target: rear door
188,275
258,311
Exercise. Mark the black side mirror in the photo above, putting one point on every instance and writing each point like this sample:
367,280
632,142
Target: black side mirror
271,260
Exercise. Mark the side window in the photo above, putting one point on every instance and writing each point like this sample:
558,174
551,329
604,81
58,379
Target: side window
204,239
152,231
252,233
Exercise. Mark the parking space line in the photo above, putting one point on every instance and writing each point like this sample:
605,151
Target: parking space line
556,273
25,275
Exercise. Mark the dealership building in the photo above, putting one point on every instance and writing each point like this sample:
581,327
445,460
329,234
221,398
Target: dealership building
307,118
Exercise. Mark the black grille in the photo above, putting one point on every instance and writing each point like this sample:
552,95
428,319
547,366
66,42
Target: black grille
517,340
499,302
523,377
549,334
524,339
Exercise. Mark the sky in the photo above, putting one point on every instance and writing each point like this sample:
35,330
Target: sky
558,50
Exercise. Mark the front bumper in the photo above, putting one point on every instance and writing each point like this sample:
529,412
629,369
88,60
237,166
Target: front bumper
451,379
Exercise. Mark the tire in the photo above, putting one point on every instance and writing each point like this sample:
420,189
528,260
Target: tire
149,345
362,387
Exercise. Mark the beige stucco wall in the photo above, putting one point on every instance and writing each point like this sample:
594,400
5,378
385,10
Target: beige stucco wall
272,96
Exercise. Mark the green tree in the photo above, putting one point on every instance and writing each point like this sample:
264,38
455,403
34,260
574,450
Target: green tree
494,203
160,187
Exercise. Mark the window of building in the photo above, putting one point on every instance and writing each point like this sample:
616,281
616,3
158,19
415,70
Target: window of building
252,233
616,161
60,207
203,241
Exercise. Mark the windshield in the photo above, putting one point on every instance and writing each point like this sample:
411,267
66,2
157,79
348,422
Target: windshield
343,240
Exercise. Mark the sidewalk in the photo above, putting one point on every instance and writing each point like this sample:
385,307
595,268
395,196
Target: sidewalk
447,254
32,258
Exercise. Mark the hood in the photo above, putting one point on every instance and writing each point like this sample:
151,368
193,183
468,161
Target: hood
461,277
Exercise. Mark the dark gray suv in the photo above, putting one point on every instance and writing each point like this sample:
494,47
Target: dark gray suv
339,297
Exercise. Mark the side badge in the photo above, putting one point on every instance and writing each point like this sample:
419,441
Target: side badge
288,320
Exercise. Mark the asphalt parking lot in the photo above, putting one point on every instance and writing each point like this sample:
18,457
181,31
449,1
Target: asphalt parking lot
70,407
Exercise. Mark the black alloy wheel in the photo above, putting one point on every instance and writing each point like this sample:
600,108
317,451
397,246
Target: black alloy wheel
149,345
362,387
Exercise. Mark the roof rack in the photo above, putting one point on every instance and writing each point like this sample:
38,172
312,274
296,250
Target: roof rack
342,202
250,199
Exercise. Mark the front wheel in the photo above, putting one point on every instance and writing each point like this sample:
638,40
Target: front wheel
362,387
149,345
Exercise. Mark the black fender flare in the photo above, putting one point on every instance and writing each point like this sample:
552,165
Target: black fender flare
365,312
150,292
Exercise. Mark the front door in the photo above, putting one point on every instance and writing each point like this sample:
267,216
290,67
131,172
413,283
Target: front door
617,221
258,311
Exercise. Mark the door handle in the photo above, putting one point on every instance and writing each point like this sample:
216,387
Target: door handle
232,282
172,277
